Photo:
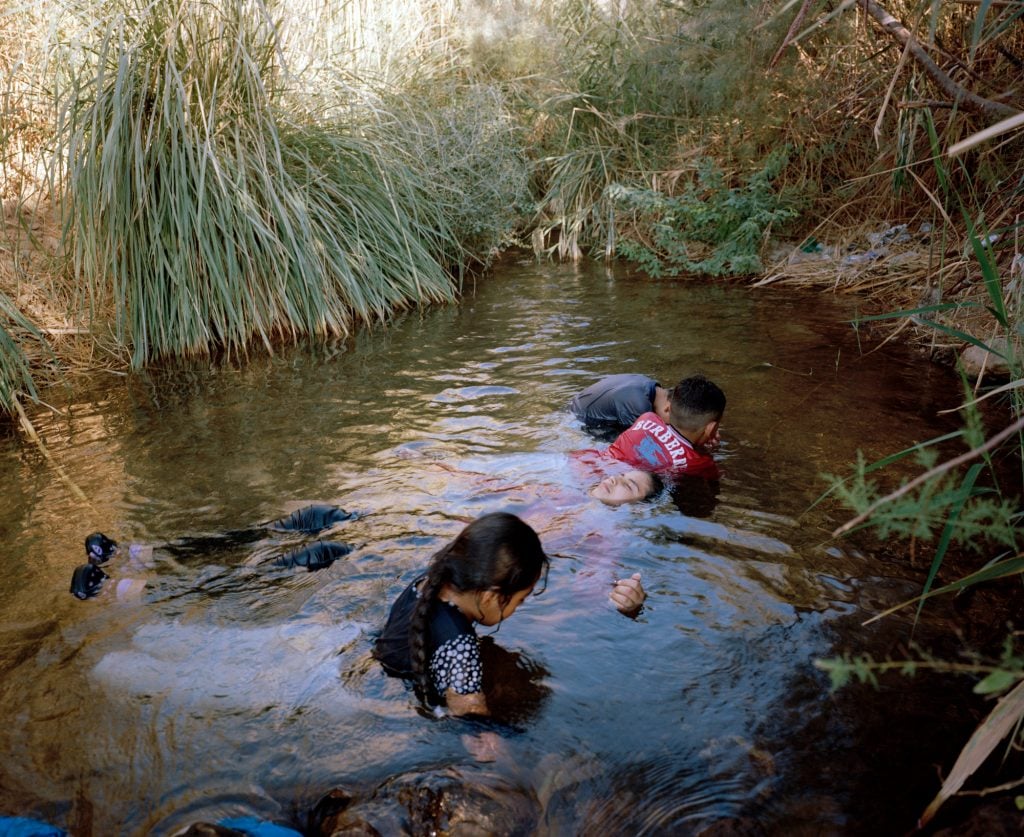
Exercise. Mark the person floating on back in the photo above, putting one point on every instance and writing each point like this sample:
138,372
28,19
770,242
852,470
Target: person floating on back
617,401
627,487
680,445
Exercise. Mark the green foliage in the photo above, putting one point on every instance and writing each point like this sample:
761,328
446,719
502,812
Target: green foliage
632,91
955,507
983,519
950,508
864,669
465,144
206,217
732,221
994,676
15,372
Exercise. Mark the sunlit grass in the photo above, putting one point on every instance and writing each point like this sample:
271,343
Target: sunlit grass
15,372
207,217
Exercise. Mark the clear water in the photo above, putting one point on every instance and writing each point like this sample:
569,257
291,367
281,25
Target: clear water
232,687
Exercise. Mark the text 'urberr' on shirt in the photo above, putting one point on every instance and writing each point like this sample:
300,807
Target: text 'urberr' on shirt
652,445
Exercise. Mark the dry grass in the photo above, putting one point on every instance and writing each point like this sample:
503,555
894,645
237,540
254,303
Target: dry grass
923,271
31,276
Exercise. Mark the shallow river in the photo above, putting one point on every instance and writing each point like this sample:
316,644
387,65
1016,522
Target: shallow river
232,686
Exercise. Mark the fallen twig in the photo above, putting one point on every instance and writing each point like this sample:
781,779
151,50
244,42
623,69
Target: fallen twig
31,431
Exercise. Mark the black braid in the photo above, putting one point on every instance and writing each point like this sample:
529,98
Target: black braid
432,583
498,552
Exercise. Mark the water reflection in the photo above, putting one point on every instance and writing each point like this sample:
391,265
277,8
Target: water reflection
231,690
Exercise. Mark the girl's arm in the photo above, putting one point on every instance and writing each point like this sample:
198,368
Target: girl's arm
472,704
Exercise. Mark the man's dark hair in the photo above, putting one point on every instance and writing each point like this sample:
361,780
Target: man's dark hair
695,401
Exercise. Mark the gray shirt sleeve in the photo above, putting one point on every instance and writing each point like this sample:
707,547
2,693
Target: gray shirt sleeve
617,399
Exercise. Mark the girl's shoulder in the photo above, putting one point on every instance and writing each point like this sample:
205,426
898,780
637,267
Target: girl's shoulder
447,622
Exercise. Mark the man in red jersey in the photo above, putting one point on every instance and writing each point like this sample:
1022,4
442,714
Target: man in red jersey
679,446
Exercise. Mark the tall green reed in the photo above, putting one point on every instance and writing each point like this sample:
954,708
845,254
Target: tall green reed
600,121
204,216
463,137
16,332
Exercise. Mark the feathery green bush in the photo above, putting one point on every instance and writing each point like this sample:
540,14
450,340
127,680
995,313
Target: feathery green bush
732,222
464,140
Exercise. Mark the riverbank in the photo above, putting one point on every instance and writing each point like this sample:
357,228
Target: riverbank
886,268
287,188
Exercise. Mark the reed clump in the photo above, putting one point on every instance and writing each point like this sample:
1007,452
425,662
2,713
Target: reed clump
206,217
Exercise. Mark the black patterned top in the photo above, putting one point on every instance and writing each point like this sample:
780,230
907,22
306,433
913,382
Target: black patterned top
453,652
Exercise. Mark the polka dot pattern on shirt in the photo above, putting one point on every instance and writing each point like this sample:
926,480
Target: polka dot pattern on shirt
456,666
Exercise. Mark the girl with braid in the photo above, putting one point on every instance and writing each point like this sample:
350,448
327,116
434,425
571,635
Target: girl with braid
480,577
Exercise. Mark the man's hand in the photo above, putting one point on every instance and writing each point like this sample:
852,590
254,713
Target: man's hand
713,441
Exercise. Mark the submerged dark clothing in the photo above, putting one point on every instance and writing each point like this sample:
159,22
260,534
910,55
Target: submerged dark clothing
316,556
453,652
87,580
617,400
309,520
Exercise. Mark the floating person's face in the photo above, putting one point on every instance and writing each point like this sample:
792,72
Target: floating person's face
624,488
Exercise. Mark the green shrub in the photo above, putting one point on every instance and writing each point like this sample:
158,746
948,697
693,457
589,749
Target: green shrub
732,221
464,142
638,94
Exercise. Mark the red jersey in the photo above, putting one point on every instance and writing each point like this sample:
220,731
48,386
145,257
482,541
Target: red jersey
652,445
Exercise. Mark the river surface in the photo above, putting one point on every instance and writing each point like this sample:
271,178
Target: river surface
232,686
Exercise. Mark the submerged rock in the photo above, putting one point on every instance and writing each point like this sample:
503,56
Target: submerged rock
444,801
978,361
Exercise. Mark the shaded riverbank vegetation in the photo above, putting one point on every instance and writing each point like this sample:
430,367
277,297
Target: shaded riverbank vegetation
186,178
